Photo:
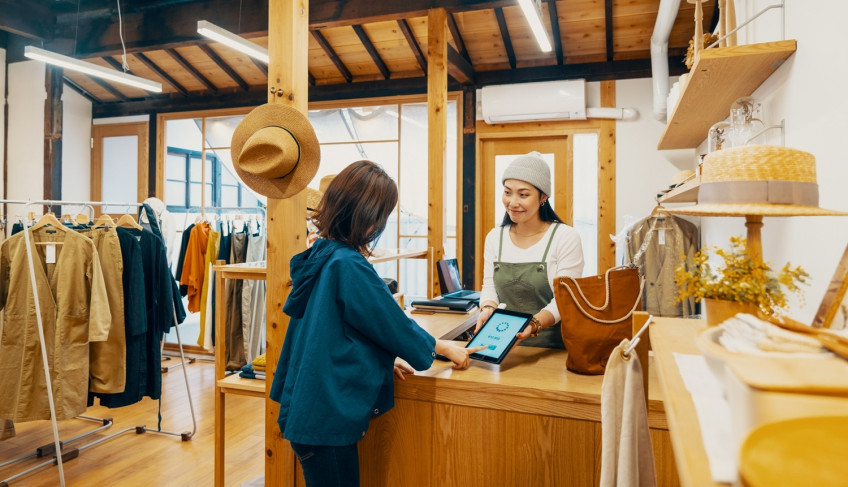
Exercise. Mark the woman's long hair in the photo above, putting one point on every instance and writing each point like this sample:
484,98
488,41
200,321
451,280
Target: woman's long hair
546,212
356,205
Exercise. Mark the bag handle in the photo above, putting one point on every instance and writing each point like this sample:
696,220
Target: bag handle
606,298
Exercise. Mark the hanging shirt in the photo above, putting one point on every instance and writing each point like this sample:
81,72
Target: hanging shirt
181,258
195,264
75,311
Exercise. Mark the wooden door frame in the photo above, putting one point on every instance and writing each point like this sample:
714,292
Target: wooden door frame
98,133
606,175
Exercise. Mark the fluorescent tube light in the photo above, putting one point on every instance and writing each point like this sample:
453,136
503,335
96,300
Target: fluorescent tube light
533,11
229,39
90,69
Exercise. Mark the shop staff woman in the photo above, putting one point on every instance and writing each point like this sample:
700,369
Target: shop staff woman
527,251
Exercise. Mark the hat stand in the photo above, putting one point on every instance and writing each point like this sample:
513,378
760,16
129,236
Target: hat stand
754,225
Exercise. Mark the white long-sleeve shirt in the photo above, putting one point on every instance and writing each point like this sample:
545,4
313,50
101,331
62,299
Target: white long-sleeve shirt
565,258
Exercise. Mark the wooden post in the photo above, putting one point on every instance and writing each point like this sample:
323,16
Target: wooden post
437,126
469,209
288,25
53,135
606,182
754,224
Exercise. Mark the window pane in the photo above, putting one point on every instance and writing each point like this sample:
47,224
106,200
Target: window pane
227,177
183,134
355,124
452,187
229,196
195,194
120,171
219,130
586,198
174,193
413,194
196,172
334,158
175,166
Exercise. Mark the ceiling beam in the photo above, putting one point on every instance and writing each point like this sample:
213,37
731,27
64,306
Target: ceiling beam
28,19
259,64
116,64
191,69
162,74
328,50
554,16
624,69
82,91
457,37
608,24
335,13
413,44
224,66
372,51
108,87
311,78
459,67
510,53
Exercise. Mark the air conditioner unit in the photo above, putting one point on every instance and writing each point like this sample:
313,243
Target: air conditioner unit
532,102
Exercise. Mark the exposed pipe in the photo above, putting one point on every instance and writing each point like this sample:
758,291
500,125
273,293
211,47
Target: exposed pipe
609,112
659,55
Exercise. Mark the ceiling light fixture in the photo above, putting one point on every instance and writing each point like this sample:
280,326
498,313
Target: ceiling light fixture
91,69
533,12
234,41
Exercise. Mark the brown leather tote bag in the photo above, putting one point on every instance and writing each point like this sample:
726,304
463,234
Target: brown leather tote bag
595,312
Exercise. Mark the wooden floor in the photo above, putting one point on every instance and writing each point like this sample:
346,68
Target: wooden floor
149,459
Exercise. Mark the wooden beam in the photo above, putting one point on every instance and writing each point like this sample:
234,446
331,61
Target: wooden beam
259,64
555,33
372,51
457,38
437,137
288,49
328,50
224,66
191,69
469,186
624,69
116,64
53,133
459,67
606,182
82,91
32,20
311,79
162,74
335,13
510,53
609,27
108,87
413,44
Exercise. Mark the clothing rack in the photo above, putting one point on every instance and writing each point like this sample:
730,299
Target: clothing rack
202,211
57,444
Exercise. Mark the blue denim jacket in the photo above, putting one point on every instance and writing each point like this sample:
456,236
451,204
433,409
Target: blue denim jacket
335,369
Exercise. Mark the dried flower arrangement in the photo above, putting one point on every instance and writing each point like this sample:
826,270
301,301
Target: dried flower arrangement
741,279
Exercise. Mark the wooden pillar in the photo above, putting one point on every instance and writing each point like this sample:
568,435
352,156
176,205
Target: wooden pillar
606,182
288,24
467,244
53,135
437,126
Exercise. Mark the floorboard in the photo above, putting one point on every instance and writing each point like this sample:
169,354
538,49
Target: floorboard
149,459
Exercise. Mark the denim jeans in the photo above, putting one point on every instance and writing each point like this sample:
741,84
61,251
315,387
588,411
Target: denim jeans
328,466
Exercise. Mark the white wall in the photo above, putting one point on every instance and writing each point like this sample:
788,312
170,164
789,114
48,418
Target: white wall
76,146
26,131
808,91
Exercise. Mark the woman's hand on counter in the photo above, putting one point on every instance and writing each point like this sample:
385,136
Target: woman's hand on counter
402,367
457,354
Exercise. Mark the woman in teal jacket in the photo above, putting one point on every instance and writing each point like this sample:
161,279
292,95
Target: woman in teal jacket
335,371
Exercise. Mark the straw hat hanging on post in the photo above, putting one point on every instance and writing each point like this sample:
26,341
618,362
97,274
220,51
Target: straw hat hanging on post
275,150
756,181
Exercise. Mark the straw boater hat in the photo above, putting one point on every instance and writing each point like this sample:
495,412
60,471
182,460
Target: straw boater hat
758,180
313,196
275,150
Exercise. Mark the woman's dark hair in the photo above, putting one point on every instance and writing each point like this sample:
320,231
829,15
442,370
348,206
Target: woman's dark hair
546,213
356,205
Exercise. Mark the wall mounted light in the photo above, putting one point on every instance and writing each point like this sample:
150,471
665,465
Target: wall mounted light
533,12
90,69
234,41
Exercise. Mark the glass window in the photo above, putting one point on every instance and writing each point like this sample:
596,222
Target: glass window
219,130
586,198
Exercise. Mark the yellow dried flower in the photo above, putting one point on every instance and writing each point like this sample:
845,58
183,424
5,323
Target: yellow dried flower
741,279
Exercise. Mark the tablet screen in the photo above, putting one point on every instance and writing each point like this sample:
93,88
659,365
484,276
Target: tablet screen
498,334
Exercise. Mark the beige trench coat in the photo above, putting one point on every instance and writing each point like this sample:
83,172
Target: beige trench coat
74,310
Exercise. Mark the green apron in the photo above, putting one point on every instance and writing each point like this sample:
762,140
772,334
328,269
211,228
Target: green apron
524,287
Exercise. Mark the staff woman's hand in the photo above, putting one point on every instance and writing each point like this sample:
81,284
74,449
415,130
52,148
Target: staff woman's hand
486,311
455,353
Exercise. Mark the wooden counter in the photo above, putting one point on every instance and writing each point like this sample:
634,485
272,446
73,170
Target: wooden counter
527,421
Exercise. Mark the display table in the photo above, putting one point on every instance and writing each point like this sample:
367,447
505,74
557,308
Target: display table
750,406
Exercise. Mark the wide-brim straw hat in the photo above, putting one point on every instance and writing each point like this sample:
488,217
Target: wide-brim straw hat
313,196
275,150
758,180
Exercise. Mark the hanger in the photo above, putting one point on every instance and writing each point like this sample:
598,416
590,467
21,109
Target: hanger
128,221
104,220
49,219
82,219
659,210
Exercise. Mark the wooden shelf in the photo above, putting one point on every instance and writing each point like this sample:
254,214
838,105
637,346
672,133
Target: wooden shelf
686,193
239,385
718,78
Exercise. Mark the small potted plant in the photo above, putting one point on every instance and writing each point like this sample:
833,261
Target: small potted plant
741,285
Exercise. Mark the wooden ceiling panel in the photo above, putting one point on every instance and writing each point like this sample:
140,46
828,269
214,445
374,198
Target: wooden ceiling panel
581,10
167,64
527,50
126,90
350,50
482,38
392,47
86,83
584,38
209,68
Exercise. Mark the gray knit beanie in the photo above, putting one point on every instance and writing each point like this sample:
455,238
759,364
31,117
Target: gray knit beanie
530,168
